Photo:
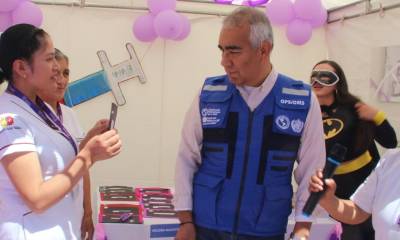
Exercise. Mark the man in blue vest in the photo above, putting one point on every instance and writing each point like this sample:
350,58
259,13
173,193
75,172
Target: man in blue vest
240,140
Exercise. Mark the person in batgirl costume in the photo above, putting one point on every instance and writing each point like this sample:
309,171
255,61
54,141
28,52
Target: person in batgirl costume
350,122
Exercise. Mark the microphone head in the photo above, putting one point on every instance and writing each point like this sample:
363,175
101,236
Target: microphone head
338,152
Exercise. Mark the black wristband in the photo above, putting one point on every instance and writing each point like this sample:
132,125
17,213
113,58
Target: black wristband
188,222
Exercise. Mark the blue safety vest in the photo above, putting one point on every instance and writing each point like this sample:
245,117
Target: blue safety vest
243,184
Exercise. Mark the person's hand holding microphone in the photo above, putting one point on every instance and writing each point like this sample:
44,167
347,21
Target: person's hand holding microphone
321,185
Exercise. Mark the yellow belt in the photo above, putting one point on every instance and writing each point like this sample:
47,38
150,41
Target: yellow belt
354,164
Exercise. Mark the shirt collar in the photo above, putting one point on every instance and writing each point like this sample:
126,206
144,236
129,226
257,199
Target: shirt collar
266,86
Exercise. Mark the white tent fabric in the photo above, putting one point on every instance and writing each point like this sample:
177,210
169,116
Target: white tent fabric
329,4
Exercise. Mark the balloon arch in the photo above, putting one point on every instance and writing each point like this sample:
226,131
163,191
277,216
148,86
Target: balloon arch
162,21
300,16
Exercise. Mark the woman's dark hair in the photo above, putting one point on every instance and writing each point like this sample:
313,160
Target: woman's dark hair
20,41
343,96
365,130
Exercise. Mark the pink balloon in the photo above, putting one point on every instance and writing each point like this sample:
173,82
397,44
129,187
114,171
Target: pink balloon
143,28
307,9
255,2
320,19
280,11
27,12
299,31
186,27
8,5
5,21
157,6
168,24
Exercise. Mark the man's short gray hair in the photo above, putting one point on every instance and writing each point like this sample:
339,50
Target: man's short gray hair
260,27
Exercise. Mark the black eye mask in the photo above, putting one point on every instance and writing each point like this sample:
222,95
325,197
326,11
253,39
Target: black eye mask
324,77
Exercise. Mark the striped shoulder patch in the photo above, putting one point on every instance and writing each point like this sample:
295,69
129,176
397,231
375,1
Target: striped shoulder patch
215,87
297,92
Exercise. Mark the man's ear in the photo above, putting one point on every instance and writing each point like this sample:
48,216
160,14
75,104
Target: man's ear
21,68
266,48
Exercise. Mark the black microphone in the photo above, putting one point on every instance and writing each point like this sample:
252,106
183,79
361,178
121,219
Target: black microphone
335,157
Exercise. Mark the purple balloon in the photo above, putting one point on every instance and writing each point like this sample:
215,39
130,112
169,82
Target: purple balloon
299,31
307,9
143,28
245,3
280,11
168,24
256,2
27,12
8,5
157,6
186,27
320,19
5,21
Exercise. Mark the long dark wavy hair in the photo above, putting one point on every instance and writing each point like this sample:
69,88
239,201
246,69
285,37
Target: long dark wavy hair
365,130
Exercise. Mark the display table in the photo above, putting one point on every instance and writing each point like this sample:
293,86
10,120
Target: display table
161,227
165,229
152,228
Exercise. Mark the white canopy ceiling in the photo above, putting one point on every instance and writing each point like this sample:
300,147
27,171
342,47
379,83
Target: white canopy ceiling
212,8
329,4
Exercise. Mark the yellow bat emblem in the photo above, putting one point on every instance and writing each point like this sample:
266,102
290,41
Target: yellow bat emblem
332,127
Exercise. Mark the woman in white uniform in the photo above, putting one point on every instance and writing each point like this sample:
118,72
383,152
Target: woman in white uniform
40,161
69,119
378,196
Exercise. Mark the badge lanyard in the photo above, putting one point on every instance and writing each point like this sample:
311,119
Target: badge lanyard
59,112
46,114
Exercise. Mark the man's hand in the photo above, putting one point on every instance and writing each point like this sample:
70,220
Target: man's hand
301,230
87,227
186,231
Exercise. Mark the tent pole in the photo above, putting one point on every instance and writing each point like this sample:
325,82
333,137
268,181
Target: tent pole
83,4
368,12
